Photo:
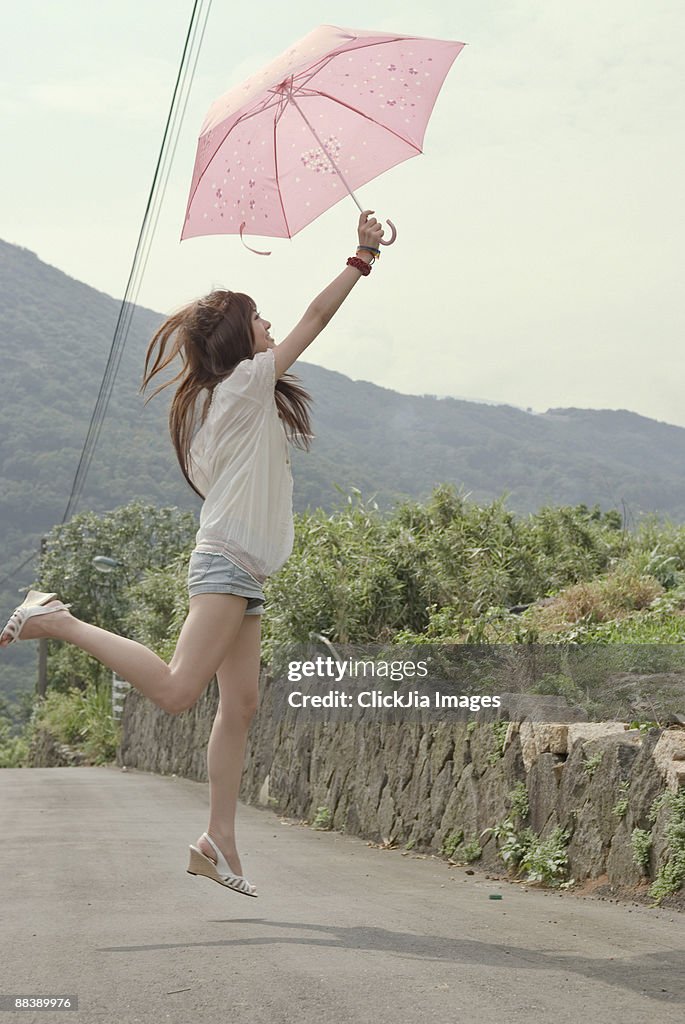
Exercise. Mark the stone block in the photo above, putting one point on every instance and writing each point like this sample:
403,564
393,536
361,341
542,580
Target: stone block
621,868
493,795
586,850
264,792
543,788
581,731
529,747
551,737
512,733
484,749
669,757
462,808
542,738
441,747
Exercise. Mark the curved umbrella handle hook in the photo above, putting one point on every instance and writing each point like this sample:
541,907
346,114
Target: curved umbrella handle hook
393,236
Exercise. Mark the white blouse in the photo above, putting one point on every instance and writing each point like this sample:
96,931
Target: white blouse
239,460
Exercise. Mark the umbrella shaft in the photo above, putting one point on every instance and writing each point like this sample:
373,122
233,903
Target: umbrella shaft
323,149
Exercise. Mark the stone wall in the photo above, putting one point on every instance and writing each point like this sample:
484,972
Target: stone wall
418,783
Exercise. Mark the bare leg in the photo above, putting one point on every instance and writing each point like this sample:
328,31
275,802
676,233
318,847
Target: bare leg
238,679
208,632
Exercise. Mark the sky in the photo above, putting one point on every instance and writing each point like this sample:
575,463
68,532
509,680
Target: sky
539,253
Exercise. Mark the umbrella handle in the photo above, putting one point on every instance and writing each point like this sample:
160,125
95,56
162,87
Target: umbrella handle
393,236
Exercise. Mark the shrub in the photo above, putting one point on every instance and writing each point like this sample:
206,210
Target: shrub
81,719
144,539
591,764
541,859
596,601
641,843
512,845
520,806
323,819
671,876
457,848
546,860
451,842
13,749
471,850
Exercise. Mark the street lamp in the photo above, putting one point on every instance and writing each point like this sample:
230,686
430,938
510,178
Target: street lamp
107,565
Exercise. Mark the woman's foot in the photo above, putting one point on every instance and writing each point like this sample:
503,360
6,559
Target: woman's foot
38,625
227,847
213,864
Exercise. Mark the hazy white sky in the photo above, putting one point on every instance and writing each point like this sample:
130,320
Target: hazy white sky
539,259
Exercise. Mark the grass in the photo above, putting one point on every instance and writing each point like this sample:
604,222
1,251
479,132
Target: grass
520,807
600,600
621,806
591,764
621,607
451,842
456,848
13,749
671,876
81,719
323,819
641,844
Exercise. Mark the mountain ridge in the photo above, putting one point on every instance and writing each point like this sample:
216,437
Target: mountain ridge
55,334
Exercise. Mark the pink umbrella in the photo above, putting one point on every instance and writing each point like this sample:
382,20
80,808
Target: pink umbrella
328,115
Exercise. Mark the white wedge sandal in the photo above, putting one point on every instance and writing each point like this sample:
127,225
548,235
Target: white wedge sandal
34,604
220,872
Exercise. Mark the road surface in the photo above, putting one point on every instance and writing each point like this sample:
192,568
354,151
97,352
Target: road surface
97,903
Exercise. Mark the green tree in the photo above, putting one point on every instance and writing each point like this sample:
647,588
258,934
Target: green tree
141,538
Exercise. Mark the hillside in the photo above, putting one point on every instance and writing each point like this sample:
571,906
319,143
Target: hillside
54,338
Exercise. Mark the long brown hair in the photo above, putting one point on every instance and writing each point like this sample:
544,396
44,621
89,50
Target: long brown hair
211,336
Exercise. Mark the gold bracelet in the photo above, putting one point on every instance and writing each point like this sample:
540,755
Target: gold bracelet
374,253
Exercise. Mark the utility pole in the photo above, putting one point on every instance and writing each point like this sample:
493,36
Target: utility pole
42,683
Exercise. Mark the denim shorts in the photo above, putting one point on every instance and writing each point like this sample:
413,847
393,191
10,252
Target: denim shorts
217,574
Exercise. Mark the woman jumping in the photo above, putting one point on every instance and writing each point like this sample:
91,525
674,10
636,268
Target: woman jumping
232,414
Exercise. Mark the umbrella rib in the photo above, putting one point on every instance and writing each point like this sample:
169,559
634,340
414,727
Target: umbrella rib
277,117
355,110
325,151
313,70
243,117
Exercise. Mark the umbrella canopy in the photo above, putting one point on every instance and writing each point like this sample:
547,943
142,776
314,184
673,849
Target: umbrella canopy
330,114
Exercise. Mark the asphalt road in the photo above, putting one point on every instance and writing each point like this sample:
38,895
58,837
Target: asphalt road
96,902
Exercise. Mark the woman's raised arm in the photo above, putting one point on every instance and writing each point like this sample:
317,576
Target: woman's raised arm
325,305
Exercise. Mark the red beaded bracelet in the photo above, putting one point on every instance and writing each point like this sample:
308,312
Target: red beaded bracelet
359,264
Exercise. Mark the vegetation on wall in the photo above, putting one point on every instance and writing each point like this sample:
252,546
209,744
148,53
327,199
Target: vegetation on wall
441,571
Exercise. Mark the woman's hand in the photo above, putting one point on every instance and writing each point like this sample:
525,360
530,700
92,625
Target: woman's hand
369,230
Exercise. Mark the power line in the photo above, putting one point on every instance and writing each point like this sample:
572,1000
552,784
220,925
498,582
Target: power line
14,572
179,102
146,234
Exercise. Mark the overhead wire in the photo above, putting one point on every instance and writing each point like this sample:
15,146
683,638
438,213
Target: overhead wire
18,568
179,101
